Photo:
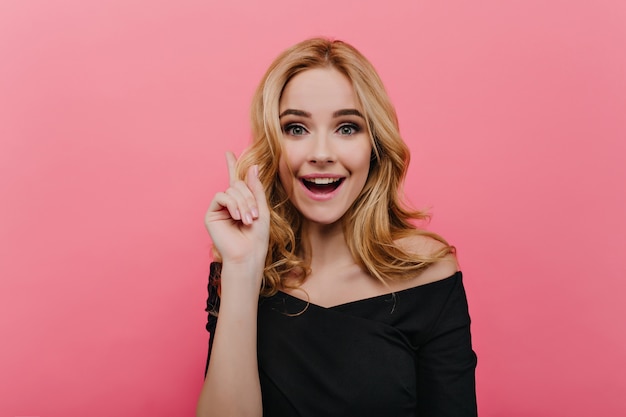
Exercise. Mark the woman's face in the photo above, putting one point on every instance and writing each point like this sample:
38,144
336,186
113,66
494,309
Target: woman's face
326,147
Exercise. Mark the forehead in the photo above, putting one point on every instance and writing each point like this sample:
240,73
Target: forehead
319,89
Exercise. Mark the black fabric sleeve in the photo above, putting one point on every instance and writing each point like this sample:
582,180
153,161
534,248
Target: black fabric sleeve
446,363
212,305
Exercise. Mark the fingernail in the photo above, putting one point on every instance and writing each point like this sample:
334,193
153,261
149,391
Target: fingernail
248,218
255,170
255,212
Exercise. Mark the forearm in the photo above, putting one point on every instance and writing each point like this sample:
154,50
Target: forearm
231,387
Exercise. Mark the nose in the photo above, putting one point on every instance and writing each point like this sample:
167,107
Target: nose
322,151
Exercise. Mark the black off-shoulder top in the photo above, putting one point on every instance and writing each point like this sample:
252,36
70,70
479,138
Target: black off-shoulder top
403,354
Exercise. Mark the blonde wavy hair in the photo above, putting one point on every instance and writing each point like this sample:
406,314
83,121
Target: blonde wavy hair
378,217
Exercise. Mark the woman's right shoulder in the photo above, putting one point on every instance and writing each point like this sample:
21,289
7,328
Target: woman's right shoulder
215,271
213,288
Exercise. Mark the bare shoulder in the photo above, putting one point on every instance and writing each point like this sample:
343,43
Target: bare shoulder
426,246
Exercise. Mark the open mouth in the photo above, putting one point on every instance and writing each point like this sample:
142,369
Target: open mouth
322,185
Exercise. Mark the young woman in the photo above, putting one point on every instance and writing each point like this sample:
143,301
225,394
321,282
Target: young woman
332,302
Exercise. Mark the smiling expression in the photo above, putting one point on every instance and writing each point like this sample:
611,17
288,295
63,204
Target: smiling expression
326,146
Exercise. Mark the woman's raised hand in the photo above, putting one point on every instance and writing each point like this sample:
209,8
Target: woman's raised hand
238,221
238,218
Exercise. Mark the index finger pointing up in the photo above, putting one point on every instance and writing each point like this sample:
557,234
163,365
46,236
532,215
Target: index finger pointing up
231,161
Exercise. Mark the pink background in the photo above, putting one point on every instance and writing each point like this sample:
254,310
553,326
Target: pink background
114,117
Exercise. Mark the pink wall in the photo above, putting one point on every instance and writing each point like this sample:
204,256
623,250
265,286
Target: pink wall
114,117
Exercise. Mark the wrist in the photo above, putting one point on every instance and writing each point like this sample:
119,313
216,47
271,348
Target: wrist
243,279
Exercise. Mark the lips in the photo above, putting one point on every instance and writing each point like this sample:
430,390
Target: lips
322,185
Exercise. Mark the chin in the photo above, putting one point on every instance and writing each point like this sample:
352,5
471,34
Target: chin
321,219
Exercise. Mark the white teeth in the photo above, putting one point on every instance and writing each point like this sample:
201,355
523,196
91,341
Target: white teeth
322,181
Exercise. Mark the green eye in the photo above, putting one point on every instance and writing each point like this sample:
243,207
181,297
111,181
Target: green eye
348,129
294,130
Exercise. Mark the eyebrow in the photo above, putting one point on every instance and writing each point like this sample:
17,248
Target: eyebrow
348,112
295,113
338,113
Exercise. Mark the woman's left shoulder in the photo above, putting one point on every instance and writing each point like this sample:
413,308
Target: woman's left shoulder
425,246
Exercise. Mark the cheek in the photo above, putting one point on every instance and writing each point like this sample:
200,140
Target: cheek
291,160
361,159
285,175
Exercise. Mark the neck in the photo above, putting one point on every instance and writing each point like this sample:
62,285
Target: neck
327,244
